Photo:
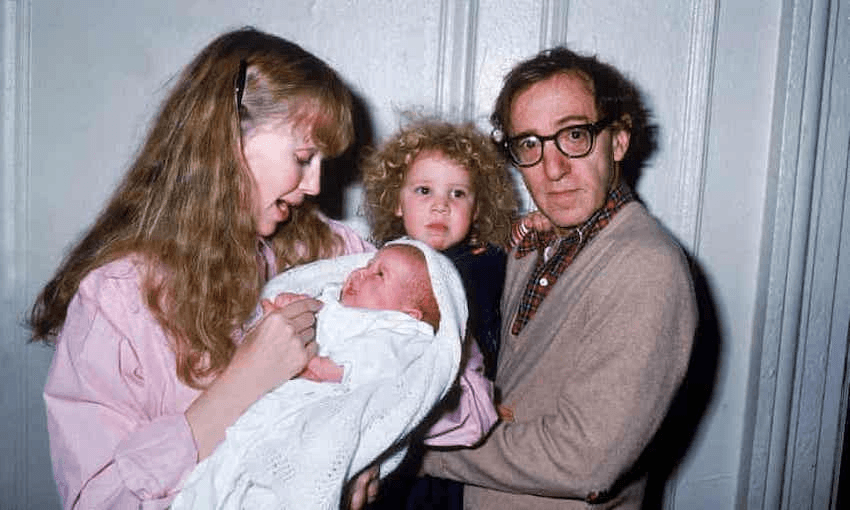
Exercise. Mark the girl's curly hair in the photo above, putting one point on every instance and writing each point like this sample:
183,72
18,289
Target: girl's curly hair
385,169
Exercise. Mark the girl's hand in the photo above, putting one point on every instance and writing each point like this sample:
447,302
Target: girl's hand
536,220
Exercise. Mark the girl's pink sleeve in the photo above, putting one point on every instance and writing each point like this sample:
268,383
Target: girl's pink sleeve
474,415
118,435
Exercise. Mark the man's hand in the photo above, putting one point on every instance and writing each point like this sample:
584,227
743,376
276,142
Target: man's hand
363,489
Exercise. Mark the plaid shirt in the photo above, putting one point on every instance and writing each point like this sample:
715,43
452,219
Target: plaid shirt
549,268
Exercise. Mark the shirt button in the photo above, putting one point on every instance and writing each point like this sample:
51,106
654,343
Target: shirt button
544,282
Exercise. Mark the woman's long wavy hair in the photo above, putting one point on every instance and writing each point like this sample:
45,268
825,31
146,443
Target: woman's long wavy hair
384,172
183,208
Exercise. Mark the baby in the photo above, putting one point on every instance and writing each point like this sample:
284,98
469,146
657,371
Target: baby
389,335
396,278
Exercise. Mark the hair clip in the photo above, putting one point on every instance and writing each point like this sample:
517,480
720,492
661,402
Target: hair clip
240,82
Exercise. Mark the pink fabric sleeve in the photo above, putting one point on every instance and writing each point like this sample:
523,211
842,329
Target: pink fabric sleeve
353,243
118,435
474,415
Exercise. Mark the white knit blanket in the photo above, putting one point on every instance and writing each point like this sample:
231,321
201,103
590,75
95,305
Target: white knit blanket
296,447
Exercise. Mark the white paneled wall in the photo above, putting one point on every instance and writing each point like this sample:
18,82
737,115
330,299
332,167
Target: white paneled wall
81,80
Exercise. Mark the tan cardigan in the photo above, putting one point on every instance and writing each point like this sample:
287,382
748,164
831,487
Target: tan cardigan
590,377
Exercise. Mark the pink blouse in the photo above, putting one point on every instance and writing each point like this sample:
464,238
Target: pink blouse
115,407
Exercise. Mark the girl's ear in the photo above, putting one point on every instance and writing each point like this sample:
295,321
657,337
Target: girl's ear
398,213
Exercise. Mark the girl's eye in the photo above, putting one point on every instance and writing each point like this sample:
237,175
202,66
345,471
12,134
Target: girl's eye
458,193
421,190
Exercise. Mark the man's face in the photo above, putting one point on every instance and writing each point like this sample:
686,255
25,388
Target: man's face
567,190
385,282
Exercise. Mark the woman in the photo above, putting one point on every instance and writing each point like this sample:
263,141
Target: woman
152,363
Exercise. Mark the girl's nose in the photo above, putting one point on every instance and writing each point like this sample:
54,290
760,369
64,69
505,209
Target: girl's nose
440,205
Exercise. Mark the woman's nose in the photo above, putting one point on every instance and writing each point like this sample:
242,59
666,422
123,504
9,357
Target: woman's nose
311,181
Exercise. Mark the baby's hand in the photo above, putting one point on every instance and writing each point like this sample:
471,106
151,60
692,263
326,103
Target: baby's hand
281,300
322,369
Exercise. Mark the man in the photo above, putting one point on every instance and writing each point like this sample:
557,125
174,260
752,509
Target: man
599,314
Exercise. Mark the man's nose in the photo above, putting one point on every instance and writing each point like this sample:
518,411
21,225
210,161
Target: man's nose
555,164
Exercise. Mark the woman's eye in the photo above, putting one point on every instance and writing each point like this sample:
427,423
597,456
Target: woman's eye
305,160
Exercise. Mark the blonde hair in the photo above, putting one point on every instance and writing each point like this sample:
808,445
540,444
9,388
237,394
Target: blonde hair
183,205
384,172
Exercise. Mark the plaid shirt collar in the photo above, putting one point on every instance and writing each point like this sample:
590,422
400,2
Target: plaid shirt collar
539,241
547,271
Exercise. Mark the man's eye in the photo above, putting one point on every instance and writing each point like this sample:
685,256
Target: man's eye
528,143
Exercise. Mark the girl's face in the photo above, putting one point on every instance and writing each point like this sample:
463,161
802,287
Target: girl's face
437,201
285,165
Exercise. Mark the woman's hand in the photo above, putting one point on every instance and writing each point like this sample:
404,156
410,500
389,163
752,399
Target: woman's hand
280,345
275,350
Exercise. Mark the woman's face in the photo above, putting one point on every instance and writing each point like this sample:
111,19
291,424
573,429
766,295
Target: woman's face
285,165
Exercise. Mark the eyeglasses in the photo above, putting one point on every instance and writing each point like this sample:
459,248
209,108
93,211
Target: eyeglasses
573,141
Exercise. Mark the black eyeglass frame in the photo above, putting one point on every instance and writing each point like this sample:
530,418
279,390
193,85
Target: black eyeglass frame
594,128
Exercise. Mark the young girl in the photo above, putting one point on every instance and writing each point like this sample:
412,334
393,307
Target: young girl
152,363
446,185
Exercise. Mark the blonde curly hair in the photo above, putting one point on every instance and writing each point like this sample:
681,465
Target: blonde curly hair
385,169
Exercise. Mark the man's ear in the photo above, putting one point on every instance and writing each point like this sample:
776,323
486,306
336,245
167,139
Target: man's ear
413,312
620,138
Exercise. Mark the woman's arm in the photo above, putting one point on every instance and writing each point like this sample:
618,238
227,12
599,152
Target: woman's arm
118,435
275,350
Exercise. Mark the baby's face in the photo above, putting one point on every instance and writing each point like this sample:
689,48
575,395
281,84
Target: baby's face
383,284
